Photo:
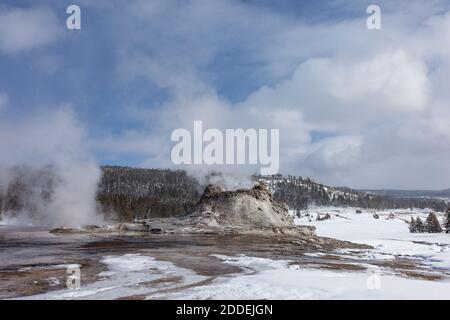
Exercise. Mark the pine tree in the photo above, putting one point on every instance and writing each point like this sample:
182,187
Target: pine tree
447,221
413,225
432,224
419,225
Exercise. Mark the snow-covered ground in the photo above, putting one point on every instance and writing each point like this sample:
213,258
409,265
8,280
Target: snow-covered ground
133,275
128,275
275,279
388,236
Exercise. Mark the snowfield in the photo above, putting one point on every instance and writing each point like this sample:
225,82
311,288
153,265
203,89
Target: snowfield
388,236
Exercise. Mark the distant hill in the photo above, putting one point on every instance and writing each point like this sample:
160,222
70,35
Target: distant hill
300,192
436,194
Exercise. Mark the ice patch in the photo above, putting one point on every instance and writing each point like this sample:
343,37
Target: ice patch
252,264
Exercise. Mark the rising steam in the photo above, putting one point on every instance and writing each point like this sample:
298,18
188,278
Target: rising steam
228,179
46,160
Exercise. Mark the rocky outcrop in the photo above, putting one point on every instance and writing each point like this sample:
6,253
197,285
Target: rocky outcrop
247,208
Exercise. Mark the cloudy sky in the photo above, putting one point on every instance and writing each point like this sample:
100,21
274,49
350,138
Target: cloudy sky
366,109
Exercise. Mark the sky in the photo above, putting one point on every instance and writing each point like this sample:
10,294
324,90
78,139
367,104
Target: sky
355,107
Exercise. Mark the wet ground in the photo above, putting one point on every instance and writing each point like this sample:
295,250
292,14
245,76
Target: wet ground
34,261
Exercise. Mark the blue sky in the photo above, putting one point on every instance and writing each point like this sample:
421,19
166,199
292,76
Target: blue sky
355,107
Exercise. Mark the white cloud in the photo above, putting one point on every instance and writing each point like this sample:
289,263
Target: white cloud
382,96
391,79
378,98
25,29
54,135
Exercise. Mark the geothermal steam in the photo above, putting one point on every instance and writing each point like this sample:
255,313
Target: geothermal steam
54,142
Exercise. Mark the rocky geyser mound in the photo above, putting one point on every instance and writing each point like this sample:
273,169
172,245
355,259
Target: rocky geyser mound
246,207
244,211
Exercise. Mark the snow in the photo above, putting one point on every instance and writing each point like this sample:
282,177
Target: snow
389,237
275,279
278,279
262,278
127,275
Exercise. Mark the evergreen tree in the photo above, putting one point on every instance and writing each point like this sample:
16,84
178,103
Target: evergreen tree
419,225
412,225
432,224
447,221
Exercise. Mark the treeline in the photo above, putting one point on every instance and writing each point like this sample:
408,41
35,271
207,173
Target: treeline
126,193
131,193
431,224
300,192
27,189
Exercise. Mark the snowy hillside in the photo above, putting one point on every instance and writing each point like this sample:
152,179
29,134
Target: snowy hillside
300,193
